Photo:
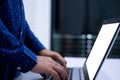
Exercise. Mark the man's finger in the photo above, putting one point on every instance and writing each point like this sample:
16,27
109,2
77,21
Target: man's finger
61,60
61,71
54,74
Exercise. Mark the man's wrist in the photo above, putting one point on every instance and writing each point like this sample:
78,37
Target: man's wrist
41,53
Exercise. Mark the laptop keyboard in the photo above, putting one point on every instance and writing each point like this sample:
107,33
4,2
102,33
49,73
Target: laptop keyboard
73,74
70,72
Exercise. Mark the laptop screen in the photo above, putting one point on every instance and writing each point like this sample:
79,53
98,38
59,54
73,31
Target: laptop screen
100,47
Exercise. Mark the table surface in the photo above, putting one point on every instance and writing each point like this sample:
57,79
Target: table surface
109,70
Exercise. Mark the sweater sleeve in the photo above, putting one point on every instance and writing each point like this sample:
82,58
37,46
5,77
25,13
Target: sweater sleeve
15,53
32,42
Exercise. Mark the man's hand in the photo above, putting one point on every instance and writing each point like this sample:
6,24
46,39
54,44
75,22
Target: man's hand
54,55
48,65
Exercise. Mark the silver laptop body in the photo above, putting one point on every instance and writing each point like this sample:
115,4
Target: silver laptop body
99,52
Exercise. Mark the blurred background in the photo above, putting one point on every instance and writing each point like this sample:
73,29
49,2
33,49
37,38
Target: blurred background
70,27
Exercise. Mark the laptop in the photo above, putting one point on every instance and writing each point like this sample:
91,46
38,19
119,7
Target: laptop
99,52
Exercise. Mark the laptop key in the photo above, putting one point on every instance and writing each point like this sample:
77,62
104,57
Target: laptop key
70,70
76,74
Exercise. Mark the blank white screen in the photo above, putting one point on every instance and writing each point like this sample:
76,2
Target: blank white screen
100,47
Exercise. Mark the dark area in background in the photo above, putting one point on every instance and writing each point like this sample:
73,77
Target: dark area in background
73,21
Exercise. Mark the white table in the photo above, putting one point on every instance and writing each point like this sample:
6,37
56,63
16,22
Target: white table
109,71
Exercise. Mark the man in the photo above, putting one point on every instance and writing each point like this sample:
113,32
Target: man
20,50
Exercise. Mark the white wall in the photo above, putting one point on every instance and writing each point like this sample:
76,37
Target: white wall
38,15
